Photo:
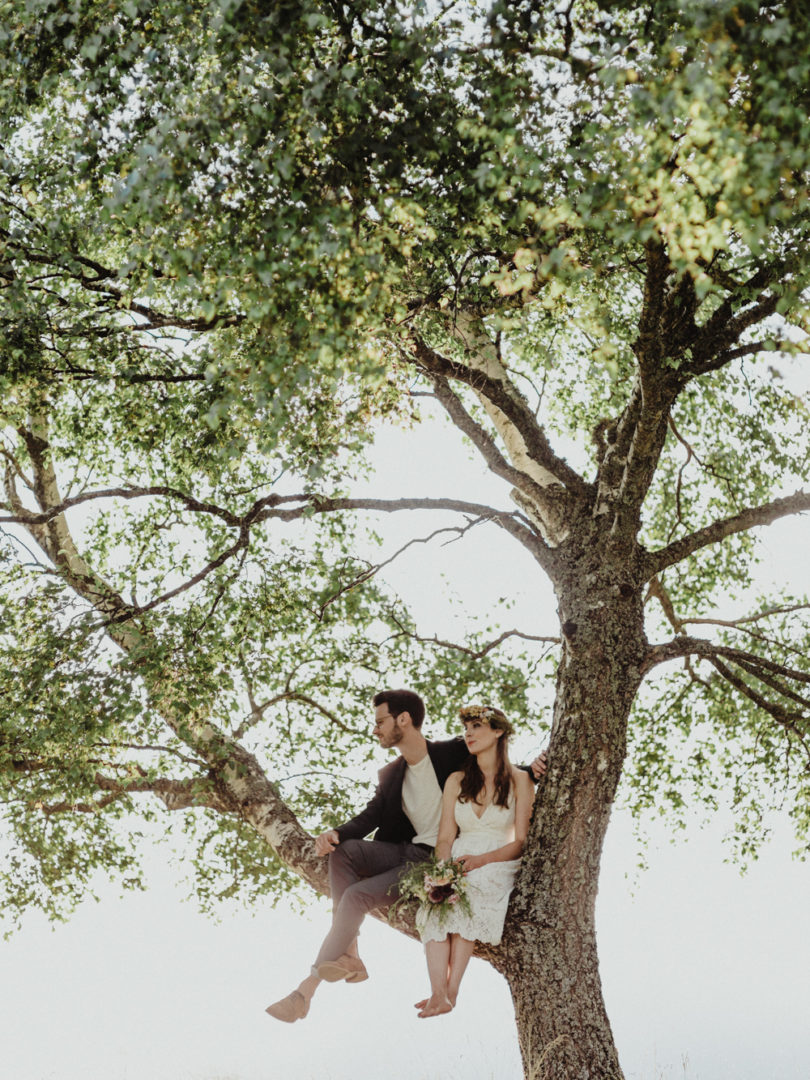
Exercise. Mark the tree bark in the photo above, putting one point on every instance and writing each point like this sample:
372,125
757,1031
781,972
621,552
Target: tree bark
549,954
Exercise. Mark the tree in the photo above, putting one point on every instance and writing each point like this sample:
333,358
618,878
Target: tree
235,237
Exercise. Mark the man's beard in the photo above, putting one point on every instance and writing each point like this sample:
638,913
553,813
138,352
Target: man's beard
394,738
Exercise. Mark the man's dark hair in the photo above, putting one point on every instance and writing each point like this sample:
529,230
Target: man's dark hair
399,701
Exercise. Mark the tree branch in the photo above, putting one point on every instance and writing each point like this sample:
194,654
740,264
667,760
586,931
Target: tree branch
649,345
489,379
713,350
174,794
26,517
257,711
656,589
735,623
319,504
790,721
691,646
712,343
372,570
117,300
482,440
49,528
656,561
475,654
235,773
631,445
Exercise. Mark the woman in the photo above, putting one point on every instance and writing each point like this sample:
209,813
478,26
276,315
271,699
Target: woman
485,817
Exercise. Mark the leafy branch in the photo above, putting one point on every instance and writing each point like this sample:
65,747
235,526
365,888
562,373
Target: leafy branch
766,514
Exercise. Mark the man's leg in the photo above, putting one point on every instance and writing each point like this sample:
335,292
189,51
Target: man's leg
351,865
364,875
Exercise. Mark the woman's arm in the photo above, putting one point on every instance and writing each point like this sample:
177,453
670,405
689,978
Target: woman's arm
524,797
447,824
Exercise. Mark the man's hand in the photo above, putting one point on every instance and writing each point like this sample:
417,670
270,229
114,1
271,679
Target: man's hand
539,765
326,842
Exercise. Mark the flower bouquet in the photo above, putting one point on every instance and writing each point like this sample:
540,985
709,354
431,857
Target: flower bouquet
437,885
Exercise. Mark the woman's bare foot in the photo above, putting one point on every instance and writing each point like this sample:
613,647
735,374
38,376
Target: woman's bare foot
421,1004
435,1006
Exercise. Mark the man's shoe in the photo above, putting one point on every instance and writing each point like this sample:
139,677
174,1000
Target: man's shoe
291,1008
350,968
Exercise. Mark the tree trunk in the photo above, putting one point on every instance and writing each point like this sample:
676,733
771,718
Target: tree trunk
549,954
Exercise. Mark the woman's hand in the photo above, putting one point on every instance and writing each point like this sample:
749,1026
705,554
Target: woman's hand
471,862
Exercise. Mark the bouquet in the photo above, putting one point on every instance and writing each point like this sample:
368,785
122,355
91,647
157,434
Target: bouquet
437,885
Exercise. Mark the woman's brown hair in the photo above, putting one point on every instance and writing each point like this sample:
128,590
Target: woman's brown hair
472,779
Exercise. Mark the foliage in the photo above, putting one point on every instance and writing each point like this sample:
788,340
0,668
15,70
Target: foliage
226,229
437,887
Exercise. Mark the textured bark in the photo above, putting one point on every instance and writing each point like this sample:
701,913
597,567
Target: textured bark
549,954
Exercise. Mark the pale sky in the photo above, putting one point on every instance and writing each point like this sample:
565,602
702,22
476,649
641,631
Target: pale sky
706,973
706,977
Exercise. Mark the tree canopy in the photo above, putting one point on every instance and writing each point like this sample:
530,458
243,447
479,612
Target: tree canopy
238,237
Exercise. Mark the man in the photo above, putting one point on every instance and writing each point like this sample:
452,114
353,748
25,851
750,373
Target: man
405,812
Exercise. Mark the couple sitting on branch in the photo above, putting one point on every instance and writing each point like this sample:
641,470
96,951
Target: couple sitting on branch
451,818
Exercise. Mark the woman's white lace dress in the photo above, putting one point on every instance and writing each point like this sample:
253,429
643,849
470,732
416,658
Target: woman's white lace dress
488,887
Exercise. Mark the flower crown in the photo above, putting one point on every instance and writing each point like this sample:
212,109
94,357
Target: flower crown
492,716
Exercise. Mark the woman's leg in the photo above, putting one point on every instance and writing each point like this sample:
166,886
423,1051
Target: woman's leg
437,954
460,952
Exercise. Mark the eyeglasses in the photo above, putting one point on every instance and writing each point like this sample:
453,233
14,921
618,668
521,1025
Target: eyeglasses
379,720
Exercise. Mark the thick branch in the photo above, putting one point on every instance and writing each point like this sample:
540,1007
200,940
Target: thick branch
713,349
257,711
489,379
533,493
632,444
481,439
25,517
690,646
56,541
649,345
656,561
174,794
236,776
319,504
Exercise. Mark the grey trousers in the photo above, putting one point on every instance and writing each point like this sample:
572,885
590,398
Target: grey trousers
363,874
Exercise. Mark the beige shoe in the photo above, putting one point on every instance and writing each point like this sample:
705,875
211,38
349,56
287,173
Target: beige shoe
350,968
291,1008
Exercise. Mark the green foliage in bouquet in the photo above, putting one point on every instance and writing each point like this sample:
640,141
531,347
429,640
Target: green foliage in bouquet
438,886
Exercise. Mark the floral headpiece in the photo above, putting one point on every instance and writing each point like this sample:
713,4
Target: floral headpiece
494,717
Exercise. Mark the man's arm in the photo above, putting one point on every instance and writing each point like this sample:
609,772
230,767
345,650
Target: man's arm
354,829
539,765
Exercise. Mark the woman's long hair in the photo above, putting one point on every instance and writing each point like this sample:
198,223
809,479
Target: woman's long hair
472,780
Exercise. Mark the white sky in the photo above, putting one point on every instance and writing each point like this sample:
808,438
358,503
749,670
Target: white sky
706,973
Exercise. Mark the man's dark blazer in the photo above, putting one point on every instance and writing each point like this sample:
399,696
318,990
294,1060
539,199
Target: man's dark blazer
384,813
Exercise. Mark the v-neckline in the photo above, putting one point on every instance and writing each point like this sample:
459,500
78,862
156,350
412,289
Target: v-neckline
479,816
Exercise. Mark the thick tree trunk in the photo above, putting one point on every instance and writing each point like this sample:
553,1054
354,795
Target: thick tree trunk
549,954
